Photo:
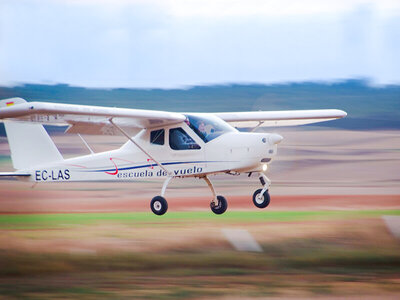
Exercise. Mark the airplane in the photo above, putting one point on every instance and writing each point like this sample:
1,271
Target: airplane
159,144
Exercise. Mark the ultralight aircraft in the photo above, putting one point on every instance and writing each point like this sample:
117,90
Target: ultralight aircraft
159,144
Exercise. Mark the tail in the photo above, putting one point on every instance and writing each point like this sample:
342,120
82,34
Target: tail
30,144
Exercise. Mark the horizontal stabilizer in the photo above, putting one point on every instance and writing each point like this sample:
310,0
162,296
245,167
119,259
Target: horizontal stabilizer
14,174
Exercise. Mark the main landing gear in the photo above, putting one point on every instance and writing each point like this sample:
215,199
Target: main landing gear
218,205
159,204
261,197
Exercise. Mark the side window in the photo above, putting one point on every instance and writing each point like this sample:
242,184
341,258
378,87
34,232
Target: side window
180,140
157,137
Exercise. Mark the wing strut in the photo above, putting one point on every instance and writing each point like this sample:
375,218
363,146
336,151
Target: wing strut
137,145
259,124
86,144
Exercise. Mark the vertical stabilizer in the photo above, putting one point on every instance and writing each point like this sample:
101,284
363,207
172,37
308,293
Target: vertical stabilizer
30,144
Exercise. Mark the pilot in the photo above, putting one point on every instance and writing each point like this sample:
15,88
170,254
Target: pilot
202,128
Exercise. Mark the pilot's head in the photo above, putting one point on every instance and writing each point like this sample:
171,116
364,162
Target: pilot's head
202,127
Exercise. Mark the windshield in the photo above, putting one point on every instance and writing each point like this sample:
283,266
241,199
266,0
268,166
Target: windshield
208,127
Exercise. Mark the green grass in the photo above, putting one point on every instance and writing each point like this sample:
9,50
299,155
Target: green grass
148,219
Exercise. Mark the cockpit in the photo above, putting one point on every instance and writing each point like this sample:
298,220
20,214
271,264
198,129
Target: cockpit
208,127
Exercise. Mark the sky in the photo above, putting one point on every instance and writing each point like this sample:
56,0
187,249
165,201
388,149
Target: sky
180,43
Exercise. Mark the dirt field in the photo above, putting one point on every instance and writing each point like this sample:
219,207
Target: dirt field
67,201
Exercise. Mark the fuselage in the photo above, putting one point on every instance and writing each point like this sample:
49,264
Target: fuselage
191,148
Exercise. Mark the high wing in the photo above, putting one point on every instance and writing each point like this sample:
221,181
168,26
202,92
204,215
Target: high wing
96,119
84,118
280,118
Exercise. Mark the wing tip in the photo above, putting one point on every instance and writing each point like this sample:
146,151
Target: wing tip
342,114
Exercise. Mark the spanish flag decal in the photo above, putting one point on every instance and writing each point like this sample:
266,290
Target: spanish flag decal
9,103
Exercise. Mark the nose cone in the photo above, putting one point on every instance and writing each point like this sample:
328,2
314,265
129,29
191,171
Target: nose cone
274,138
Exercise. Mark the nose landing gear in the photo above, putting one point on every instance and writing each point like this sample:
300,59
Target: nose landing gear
261,197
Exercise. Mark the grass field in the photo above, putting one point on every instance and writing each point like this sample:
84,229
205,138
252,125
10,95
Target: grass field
184,255
19,221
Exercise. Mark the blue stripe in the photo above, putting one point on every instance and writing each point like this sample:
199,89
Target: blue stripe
150,165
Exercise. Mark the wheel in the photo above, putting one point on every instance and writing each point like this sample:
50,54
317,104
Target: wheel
159,205
221,207
259,200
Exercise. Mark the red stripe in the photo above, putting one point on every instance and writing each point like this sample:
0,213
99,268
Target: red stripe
116,168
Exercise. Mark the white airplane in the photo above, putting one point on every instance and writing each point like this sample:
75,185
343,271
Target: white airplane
159,144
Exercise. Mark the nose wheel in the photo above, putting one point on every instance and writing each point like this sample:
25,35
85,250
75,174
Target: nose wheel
261,200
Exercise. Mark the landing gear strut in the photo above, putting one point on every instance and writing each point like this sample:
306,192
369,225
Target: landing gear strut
261,198
219,204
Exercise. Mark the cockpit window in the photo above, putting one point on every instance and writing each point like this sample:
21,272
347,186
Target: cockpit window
208,127
157,137
180,140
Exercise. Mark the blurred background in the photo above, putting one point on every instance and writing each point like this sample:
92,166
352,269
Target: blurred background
332,229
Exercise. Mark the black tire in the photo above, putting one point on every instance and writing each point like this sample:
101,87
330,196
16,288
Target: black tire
261,202
159,205
221,207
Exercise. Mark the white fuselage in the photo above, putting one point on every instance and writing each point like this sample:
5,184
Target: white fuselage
231,152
